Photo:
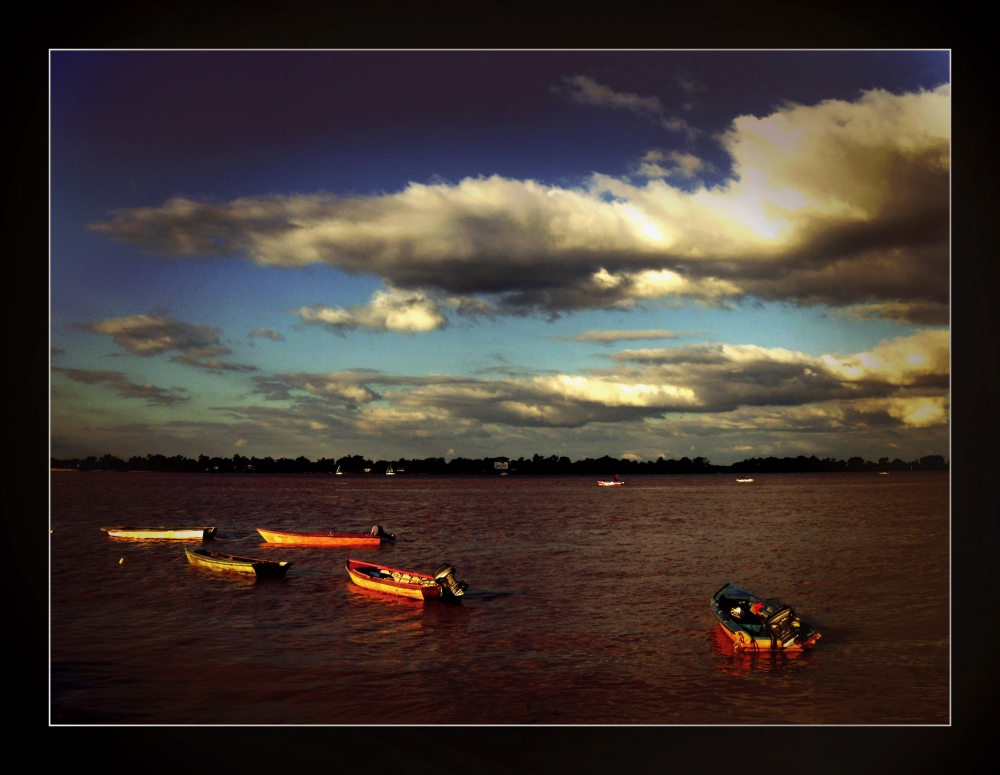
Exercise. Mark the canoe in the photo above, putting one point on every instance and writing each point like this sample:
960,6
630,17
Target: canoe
373,538
231,563
418,586
776,628
161,533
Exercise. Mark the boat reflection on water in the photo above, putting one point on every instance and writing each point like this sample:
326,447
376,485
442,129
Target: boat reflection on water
741,661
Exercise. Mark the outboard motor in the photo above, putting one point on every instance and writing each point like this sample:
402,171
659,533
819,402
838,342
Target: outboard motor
378,532
783,627
445,576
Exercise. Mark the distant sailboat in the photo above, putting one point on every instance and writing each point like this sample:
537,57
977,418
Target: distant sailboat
389,471
339,472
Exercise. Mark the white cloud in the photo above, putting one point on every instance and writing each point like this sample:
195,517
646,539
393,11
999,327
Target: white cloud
392,310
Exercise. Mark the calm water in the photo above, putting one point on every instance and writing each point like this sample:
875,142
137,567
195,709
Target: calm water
586,604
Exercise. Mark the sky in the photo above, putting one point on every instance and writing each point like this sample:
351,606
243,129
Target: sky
409,254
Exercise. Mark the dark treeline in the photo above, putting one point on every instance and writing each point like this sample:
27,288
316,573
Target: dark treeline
357,464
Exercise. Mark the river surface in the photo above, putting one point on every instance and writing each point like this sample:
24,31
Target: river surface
586,604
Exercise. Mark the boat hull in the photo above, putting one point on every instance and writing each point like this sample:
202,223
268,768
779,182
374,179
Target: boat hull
610,484
357,570
743,636
229,563
320,539
161,533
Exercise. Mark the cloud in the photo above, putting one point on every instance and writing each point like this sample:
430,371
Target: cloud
587,91
153,395
267,334
839,203
148,335
679,164
689,83
392,310
926,313
613,335
903,381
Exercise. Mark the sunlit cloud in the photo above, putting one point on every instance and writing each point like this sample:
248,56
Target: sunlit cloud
839,203
392,310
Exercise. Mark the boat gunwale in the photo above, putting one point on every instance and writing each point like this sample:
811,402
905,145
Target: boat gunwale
353,536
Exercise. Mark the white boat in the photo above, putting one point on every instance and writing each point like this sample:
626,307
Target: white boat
338,472
389,471
612,483
745,479
883,473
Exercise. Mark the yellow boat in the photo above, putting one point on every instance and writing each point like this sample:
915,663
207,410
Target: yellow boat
232,563
419,586
161,533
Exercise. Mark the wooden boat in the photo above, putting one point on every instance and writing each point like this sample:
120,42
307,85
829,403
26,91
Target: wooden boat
399,582
745,479
231,563
373,538
754,624
161,533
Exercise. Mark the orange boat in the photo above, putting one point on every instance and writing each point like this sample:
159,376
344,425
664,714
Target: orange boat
400,582
372,538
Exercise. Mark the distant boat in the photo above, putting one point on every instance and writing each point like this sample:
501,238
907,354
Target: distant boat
374,537
753,624
612,483
389,471
338,472
231,563
418,586
161,533
745,479
883,473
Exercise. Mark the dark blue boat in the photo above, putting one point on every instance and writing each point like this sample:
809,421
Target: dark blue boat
755,624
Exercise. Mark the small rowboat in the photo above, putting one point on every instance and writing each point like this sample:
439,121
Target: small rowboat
753,624
161,533
399,582
373,538
230,563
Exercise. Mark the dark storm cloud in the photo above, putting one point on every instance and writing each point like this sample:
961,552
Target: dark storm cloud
153,395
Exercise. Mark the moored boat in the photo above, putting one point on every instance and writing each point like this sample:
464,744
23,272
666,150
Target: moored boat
754,624
374,537
419,586
161,533
231,563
